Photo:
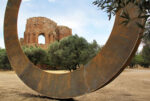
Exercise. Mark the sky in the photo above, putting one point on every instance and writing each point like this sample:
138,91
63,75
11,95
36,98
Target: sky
82,16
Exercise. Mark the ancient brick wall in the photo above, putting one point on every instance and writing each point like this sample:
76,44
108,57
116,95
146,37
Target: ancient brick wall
37,26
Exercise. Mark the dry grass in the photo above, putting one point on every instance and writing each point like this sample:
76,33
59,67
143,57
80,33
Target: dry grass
131,85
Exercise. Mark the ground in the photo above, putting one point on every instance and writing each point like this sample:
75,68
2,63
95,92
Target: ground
131,85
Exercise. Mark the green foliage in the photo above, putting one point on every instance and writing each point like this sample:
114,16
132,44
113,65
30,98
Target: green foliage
68,53
146,55
36,55
72,51
52,52
4,62
137,60
113,6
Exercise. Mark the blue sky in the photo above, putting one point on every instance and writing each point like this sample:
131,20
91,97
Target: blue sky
82,16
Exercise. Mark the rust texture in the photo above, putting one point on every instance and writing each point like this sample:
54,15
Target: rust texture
37,26
100,71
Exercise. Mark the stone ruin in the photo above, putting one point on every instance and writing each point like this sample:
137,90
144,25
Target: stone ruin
37,26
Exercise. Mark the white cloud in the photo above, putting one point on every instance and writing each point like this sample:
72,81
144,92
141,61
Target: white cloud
77,21
51,0
26,0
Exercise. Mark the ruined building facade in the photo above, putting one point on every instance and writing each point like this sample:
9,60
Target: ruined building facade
37,26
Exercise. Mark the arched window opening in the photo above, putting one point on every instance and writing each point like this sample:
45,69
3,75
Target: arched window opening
41,39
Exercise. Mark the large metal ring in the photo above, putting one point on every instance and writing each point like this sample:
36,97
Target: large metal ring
106,66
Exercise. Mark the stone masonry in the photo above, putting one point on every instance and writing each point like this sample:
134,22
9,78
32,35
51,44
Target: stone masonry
37,26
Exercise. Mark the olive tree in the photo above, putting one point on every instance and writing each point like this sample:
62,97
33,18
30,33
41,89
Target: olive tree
71,51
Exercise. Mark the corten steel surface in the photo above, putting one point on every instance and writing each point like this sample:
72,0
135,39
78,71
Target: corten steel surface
106,66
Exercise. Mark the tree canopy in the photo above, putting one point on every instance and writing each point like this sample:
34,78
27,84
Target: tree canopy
113,6
72,51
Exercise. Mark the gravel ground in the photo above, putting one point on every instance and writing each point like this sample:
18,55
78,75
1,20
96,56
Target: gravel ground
131,85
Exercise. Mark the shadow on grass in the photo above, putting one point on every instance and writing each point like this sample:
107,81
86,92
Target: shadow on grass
43,97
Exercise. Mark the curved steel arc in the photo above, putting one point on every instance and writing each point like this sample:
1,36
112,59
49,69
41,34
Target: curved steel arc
105,67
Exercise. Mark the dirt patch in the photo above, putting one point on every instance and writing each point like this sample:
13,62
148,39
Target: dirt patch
131,85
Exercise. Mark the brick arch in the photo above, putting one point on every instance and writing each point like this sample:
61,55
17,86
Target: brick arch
40,25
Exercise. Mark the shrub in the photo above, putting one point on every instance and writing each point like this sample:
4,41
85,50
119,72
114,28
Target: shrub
4,62
36,55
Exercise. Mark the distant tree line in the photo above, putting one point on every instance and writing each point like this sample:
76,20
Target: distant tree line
69,53
4,62
66,54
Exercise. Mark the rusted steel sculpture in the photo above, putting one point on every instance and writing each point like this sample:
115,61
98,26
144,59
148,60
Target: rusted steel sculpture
106,66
